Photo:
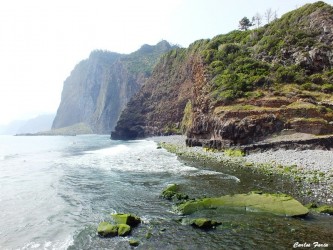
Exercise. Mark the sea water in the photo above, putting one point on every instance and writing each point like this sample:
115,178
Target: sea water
54,191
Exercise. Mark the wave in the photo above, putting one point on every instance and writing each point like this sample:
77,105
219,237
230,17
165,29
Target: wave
115,150
219,174
140,157
59,245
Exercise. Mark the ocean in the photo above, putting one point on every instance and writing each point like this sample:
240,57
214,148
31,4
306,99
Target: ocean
55,190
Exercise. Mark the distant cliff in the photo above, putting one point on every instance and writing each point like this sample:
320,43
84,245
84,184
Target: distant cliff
34,125
242,87
99,87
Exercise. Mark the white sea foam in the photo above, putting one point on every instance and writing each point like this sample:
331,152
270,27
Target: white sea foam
219,174
141,157
115,150
49,245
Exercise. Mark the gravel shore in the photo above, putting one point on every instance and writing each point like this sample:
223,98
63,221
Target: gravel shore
313,167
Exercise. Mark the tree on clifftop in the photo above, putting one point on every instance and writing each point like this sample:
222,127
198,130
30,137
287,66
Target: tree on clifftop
245,24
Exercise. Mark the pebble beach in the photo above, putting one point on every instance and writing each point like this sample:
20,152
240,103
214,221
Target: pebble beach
313,168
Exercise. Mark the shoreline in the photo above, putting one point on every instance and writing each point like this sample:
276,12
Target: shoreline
310,170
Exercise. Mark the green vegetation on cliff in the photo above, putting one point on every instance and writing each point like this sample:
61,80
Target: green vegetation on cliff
292,49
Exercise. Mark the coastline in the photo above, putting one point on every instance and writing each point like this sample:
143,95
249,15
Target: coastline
310,170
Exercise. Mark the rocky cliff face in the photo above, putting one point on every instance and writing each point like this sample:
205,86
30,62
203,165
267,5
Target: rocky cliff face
99,87
158,108
243,86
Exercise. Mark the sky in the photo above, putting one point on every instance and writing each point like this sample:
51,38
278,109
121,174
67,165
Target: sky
41,41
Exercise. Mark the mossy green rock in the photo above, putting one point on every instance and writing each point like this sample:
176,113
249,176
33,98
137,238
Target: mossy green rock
311,205
106,229
325,209
279,204
124,229
128,219
171,191
204,223
134,243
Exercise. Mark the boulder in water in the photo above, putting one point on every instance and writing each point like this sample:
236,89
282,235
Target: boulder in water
172,191
204,223
106,229
128,219
134,243
279,204
124,229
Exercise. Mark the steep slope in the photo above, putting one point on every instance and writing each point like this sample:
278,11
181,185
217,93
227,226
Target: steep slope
243,86
159,106
99,87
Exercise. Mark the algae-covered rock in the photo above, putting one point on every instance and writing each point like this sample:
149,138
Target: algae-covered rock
124,229
204,223
128,219
106,229
134,243
148,234
325,209
171,192
279,204
311,205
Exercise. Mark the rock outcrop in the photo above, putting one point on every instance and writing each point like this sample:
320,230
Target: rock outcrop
99,87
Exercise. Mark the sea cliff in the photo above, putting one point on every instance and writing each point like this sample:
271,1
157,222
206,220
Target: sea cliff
99,87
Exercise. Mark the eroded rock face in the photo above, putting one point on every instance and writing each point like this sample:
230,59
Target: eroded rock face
236,131
158,108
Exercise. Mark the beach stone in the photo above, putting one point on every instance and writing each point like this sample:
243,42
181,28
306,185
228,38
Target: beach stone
278,204
106,229
124,229
128,219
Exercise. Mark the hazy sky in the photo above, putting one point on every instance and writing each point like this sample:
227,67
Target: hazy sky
42,40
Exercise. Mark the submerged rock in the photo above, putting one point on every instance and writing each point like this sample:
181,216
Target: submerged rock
128,219
172,191
124,229
134,243
204,223
106,229
279,204
325,209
